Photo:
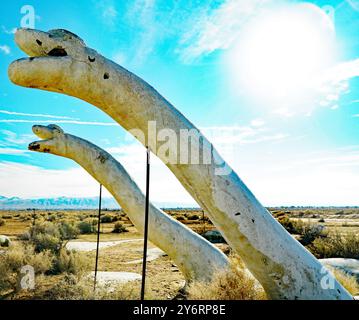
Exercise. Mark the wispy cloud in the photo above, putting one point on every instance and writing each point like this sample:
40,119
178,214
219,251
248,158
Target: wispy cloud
5,49
13,151
8,31
35,115
219,28
12,138
142,15
108,11
335,82
30,181
90,123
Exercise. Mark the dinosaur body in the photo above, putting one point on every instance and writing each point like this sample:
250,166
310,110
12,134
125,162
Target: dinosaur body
197,258
284,267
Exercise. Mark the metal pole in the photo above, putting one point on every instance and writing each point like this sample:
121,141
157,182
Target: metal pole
146,225
98,236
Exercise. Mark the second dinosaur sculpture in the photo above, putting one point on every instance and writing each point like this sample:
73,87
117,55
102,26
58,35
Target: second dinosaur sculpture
197,258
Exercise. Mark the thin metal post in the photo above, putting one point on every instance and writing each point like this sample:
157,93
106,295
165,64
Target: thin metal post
146,225
98,236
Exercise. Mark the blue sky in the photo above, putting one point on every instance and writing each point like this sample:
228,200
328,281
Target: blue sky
274,84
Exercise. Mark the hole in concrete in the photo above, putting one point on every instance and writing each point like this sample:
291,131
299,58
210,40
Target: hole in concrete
39,42
106,76
91,59
57,52
237,214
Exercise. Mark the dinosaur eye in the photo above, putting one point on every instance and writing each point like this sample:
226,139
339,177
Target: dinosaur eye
39,42
91,59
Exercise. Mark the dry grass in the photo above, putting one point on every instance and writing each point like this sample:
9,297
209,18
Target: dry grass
336,245
348,282
233,284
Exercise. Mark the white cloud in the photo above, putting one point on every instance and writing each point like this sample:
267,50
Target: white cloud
8,31
219,28
12,151
5,49
35,115
108,11
29,181
333,83
13,138
55,121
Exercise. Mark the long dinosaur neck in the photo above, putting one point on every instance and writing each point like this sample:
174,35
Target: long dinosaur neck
283,266
195,256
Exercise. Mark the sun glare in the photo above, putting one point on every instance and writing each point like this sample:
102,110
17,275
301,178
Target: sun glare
280,51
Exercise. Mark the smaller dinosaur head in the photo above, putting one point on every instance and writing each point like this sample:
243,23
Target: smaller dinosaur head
54,139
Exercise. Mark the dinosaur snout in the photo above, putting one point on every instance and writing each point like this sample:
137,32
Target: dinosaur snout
34,146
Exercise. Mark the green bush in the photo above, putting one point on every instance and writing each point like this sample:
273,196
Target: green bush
309,231
106,218
119,228
71,262
336,245
68,230
193,217
50,236
15,258
86,227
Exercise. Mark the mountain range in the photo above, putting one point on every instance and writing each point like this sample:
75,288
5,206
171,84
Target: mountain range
16,203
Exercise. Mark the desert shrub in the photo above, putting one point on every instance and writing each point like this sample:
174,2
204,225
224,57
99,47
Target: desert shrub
286,222
43,241
86,227
7,216
336,245
70,262
119,228
2,222
309,231
50,236
193,217
73,288
321,220
68,230
233,284
51,218
106,218
180,218
15,258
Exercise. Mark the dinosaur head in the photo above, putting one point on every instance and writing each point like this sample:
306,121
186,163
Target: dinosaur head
54,139
51,55
54,43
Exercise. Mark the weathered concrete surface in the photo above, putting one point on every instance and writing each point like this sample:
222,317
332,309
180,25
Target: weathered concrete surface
196,257
284,267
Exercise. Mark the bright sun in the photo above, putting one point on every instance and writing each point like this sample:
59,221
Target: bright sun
281,51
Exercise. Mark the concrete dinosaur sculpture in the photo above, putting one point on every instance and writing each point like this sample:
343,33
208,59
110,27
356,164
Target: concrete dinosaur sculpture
61,62
196,257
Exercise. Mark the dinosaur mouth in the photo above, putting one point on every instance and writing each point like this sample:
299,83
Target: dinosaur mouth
57,52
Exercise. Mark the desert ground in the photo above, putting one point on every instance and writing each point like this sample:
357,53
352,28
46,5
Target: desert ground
121,249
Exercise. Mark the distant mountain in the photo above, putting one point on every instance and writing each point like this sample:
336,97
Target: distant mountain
16,203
